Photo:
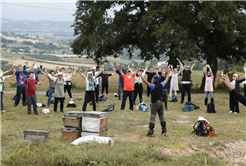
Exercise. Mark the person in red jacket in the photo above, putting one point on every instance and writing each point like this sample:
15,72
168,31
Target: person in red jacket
31,92
128,88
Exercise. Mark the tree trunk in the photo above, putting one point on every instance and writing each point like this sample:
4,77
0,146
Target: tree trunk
172,57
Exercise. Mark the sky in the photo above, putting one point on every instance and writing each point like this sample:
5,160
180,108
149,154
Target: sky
38,10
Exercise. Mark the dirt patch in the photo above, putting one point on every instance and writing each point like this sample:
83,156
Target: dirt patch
182,119
235,152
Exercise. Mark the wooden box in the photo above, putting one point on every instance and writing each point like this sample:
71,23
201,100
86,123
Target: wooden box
72,119
102,133
70,133
94,121
36,136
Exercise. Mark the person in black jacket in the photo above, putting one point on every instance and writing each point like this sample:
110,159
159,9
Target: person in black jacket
150,74
186,81
233,91
156,102
105,76
234,107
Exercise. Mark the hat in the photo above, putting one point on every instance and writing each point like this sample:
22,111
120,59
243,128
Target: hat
187,66
128,70
94,67
60,73
89,73
235,75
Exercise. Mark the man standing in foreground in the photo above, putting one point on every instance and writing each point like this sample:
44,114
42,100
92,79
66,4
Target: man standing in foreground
156,102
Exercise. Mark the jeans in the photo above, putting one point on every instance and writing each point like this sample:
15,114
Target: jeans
211,94
125,95
120,87
20,90
31,100
51,90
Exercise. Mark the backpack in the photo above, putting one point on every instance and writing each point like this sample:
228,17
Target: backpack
52,101
188,108
174,99
200,129
142,107
102,98
211,108
190,103
109,108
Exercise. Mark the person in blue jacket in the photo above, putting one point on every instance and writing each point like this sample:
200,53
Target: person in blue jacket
21,89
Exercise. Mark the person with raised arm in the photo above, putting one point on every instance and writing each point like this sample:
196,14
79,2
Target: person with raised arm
208,84
150,75
105,76
138,87
59,88
21,89
156,102
31,92
2,80
90,82
128,89
161,78
186,81
233,91
51,84
174,83
234,106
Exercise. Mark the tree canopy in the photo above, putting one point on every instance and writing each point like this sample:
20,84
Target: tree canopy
185,29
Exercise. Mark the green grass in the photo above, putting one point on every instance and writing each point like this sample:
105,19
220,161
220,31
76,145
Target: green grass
127,129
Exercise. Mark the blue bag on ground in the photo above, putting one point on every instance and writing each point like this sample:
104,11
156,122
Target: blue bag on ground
188,108
174,99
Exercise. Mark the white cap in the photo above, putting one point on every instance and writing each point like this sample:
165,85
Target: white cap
60,73
94,67
89,73
187,66
235,75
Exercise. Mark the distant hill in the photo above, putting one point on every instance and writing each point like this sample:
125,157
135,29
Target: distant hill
11,25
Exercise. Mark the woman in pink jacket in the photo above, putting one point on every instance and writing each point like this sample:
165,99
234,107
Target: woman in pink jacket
208,84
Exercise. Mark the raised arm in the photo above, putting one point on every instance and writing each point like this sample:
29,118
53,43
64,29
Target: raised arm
98,73
144,72
181,65
20,82
75,68
193,65
168,75
81,73
132,66
112,64
45,74
12,67
156,72
41,67
137,70
120,70
7,71
210,70
40,82
205,70
144,80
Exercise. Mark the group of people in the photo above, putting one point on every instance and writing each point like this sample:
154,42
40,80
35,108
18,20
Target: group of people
130,82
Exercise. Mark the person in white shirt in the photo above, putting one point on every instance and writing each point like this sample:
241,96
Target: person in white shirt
138,87
2,79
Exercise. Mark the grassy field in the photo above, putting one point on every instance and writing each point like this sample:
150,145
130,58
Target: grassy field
127,129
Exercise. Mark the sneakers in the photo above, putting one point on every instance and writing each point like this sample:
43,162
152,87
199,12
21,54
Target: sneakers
55,112
61,112
71,99
150,133
3,110
230,112
167,109
235,113
37,114
28,114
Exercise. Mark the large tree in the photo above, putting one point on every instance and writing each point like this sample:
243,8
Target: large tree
205,30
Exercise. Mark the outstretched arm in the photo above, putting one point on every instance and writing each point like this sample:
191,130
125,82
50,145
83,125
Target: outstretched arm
205,70
181,65
193,65
12,67
168,75
10,75
7,71
156,72
81,74
31,66
120,70
137,70
132,66
210,70
112,64
43,72
98,73
144,80
40,82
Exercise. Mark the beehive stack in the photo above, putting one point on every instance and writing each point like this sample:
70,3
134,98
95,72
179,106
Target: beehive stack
94,123
72,122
